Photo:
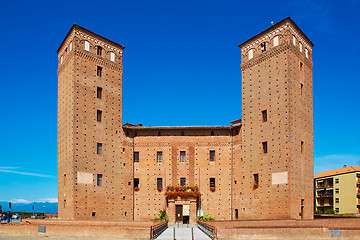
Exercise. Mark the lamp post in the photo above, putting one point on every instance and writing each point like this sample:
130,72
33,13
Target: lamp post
44,211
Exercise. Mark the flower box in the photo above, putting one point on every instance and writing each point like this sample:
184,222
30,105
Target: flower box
159,189
136,189
212,189
255,186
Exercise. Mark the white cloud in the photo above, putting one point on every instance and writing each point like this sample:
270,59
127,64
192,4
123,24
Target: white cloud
6,170
335,161
49,200
19,201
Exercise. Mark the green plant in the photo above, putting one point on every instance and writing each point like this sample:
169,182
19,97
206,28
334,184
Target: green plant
162,216
330,211
347,215
317,212
206,217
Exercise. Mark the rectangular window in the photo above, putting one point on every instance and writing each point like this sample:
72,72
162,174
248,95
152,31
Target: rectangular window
182,181
98,148
70,47
159,183
99,92
236,213
99,180
99,71
112,57
256,179
212,182
159,157
301,89
182,156
300,47
263,47
99,50
87,46
337,190
264,115
98,115
251,54
276,41
302,147
336,180
265,147
136,156
306,53
136,183
212,155
93,214
337,200
294,41
337,210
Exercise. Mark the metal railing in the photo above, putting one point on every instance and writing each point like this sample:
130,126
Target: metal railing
157,229
207,229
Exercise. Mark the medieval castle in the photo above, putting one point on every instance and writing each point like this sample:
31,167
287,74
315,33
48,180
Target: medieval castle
259,167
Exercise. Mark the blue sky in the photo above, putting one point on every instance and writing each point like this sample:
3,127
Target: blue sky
181,67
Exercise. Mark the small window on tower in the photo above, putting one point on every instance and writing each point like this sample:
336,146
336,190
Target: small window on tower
212,133
159,157
182,181
99,50
136,156
99,180
300,47
99,92
306,53
263,47
87,46
93,214
99,71
236,213
98,115
301,88
276,41
251,54
98,148
212,182
256,180
302,147
265,147
159,183
264,115
136,183
294,41
212,155
182,156
112,57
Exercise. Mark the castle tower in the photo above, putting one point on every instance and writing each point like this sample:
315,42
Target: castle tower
90,128
277,118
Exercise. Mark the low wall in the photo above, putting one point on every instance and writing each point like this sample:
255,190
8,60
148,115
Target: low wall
120,230
288,229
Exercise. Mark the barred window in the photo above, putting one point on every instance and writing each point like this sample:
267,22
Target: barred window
159,157
98,148
99,180
182,156
212,155
136,156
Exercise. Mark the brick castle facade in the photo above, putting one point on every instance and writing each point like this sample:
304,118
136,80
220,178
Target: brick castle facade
258,167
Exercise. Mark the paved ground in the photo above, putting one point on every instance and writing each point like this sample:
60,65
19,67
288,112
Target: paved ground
183,232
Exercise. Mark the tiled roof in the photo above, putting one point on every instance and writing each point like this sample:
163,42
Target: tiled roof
337,171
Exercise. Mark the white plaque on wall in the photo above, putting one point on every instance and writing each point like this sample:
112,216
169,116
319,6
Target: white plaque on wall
280,178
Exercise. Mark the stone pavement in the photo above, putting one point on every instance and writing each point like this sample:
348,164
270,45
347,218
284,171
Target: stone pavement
183,232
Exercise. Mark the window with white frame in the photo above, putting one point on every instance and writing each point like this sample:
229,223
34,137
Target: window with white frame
294,41
300,47
251,53
70,46
159,157
276,41
112,57
87,46
306,53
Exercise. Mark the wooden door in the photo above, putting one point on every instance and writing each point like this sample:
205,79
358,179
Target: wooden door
179,213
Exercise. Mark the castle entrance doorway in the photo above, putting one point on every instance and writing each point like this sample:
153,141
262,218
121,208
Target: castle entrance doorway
179,213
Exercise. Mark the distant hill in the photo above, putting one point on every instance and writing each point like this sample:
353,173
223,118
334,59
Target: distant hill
28,207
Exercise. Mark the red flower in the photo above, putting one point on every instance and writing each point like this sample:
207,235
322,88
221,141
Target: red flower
212,189
136,189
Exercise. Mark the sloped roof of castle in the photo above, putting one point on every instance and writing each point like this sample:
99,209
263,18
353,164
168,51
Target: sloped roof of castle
288,19
337,172
74,26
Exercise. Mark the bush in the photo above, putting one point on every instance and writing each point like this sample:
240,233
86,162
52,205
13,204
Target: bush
206,217
330,211
317,212
162,216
